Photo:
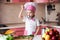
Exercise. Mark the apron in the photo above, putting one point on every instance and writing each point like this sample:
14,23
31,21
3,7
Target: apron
27,33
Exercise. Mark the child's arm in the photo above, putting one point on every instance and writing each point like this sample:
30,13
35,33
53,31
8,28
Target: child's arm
37,30
20,14
38,26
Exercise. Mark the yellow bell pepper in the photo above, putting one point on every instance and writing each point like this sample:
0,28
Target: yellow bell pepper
9,31
47,37
44,35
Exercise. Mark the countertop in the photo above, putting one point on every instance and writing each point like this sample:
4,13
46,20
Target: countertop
24,26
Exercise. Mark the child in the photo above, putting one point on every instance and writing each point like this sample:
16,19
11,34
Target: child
30,21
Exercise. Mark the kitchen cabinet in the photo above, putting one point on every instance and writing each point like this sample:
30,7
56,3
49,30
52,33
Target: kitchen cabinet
46,1
53,1
41,1
16,1
20,1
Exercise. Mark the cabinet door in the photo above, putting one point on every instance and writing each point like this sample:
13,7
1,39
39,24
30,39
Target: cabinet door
17,1
53,0
24,0
41,1
7,1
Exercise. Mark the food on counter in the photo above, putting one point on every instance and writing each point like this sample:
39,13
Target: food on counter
47,30
9,31
51,34
44,35
10,37
6,37
3,37
53,38
47,33
47,37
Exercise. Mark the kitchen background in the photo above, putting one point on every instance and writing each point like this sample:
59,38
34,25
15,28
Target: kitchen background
10,11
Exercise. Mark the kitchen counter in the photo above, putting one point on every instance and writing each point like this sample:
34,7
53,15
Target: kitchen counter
22,27
20,31
37,37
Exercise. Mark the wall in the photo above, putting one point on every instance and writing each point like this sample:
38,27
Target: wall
10,13
0,12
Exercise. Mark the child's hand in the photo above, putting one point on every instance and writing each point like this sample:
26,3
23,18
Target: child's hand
22,7
35,34
20,14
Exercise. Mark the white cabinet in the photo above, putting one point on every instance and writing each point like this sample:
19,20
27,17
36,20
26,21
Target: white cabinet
41,1
46,1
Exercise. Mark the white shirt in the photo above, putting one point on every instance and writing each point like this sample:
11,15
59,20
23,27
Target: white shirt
31,24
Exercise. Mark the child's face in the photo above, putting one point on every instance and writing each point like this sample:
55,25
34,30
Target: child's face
30,13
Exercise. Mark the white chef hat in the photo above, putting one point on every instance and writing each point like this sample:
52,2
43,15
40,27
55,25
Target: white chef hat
30,4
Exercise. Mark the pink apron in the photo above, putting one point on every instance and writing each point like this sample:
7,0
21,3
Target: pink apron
26,32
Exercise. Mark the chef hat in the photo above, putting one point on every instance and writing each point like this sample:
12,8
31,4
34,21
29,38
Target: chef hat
30,6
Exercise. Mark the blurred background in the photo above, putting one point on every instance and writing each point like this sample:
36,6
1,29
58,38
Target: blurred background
48,12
